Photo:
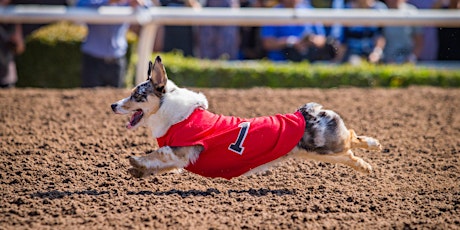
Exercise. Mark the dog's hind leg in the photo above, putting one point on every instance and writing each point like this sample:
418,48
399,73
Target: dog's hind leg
355,162
346,158
363,142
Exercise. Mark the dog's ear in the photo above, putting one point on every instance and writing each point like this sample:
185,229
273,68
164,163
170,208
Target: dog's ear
149,71
158,76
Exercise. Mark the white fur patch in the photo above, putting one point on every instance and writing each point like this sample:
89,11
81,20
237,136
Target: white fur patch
119,109
178,104
372,142
193,157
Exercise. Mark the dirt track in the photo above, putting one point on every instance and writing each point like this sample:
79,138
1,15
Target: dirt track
64,165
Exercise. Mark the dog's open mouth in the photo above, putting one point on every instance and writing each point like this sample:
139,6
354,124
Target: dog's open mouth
135,118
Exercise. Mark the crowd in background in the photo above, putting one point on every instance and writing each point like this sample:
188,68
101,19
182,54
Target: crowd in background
315,42
103,62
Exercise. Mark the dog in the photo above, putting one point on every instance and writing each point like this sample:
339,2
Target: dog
192,138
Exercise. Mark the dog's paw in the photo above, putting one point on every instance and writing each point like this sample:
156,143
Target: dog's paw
138,173
138,170
374,144
136,163
367,169
364,167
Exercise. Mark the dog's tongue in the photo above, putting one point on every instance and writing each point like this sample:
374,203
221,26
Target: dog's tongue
135,118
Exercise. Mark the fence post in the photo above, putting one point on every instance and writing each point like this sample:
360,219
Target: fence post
144,50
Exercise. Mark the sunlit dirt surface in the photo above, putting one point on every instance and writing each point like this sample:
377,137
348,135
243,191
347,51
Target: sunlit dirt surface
64,165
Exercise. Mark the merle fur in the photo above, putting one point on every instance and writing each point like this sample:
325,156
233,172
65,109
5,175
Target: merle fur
313,118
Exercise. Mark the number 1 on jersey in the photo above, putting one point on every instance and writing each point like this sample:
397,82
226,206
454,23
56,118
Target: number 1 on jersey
237,147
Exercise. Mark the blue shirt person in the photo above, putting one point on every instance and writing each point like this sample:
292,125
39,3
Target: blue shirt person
365,42
105,47
292,42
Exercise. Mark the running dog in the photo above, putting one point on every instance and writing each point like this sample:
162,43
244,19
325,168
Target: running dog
192,138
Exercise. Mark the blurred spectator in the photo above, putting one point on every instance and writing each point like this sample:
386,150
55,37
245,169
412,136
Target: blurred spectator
449,38
295,42
219,41
430,34
104,50
177,38
365,42
29,28
334,33
251,42
403,43
11,44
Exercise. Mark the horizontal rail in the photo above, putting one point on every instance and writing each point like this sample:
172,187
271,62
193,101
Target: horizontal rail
38,14
154,16
270,16
227,16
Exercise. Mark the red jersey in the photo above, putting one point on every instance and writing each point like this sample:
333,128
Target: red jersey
233,145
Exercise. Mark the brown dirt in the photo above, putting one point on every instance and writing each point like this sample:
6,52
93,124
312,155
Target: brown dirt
64,165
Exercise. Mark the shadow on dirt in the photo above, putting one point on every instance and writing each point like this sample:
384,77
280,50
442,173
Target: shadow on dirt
263,192
213,191
54,194
192,192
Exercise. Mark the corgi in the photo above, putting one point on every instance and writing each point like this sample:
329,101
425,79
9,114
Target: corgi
217,146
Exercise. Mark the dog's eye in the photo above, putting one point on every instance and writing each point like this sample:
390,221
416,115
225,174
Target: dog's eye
138,97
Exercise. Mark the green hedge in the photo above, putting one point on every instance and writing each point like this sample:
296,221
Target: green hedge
53,59
204,73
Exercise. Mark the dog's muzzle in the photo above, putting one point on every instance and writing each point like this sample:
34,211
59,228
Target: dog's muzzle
114,107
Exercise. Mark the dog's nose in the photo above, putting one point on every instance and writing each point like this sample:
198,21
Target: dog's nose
114,107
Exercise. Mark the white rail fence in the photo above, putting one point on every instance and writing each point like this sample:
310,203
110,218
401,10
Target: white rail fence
150,18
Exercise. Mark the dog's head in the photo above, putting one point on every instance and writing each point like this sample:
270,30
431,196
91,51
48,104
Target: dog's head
145,98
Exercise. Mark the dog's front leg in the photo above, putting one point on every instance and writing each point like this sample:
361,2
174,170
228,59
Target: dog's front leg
163,160
144,172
